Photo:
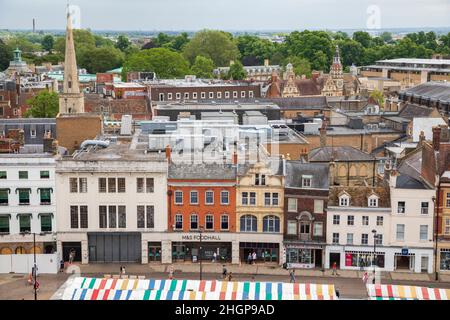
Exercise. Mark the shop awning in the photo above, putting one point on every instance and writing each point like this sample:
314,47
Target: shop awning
393,292
136,289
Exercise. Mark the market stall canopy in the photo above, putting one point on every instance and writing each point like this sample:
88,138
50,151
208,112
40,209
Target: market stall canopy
393,292
137,289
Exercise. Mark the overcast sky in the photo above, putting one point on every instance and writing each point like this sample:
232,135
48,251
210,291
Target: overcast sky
226,14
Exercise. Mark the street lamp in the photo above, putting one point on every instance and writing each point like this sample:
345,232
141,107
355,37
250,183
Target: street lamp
34,272
436,233
374,250
200,230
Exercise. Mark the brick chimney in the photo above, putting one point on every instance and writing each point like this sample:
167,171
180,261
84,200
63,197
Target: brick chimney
235,158
323,135
421,138
436,138
168,154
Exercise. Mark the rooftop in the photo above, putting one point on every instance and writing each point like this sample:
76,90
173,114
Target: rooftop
202,171
296,169
328,154
435,91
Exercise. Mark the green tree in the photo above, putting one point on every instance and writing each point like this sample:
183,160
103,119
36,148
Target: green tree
363,37
352,52
47,43
301,65
386,36
254,50
102,59
81,38
216,45
122,43
203,67
5,55
236,71
43,105
164,62
378,97
178,42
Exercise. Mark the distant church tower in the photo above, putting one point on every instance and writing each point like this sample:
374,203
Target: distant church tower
71,100
334,85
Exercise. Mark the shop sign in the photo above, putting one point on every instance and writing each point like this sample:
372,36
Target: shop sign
405,251
196,237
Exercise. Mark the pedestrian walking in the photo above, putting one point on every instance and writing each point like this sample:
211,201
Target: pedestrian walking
292,276
254,257
365,277
224,272
71,256
249,258
230,276
61,266
171,272
214,257
334,269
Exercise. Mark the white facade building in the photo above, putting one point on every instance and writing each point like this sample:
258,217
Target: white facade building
113,202
27,203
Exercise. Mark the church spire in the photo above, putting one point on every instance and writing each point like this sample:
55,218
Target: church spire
71,100
337,56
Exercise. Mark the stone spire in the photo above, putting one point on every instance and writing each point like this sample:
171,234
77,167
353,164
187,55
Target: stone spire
71,100
337,56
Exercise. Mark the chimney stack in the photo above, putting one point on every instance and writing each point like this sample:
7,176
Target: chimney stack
235,158
421,138
168,154
323,135
436,138
266,62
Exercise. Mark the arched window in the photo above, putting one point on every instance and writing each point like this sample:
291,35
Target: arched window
342,171
271,224
353,171
248,223
363,171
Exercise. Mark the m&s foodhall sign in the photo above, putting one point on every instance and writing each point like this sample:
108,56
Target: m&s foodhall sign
196,237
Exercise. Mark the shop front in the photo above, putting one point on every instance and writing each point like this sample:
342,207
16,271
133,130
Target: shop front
364,259
194,251
304,256
265,252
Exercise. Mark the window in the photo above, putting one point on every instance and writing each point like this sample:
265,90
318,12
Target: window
209,197
248,223
227,94
83,217
252,198
447,205
139,185
4,224
178,197
257,179
267,198
25,223
250,94
400,232
46,223
23,174
263,179
335,238
121,185
224,197
178,222
111,185
149,185
45,174
235,94
349,238
336,219
318,206
379,221
140,217
271,224
318,229
178,96
194,95
150,217
203,95
102,215
33,133
424,208
365,220
275,199
194,222
219,95
306,181
161,97
344,201
4,197
292,204
350,220
83,185
3,175
209,222
73,185
102,185
24,196
224,222
186,95
211,95
112,215
242,94
74,217
169,96
45,196
447,226
373,201
122,216
244,198
364,239
424,232
401,207
379,239
194,197
292,227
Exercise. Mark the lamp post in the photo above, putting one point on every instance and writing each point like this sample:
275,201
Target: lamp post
200,231
374,250
34,272
436,233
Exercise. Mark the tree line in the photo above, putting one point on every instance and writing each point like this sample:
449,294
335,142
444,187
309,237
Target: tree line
174,56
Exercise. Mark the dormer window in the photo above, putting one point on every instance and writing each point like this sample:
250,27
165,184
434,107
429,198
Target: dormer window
373,201
306,181
344,200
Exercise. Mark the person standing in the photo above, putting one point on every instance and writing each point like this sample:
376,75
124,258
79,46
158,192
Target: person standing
214,257
334,269
171,272
224,272
292,276
254,257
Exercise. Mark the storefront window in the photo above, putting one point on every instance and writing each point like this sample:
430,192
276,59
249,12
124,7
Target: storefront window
271,224
445,259
363,259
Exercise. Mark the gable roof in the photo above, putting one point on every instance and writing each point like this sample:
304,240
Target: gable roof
296,169
345,153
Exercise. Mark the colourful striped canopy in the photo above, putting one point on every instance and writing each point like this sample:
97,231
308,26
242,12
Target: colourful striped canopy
137,289
393,292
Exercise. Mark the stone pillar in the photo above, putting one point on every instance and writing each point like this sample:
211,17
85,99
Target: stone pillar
84,252
166,254
144,251
235,252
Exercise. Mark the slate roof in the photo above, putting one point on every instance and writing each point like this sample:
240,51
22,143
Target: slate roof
301,102
346,153
359,195
411,111
433,90
405,181
202,171
295,170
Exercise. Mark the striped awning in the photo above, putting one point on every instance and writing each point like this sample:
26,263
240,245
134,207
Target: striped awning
151,289
394,292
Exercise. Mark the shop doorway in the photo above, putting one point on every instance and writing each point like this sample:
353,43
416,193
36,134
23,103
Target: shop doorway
403,262
154,251
335,257
71,246
424,264
318,258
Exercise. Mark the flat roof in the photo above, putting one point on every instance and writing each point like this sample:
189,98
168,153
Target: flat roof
215,106
417,61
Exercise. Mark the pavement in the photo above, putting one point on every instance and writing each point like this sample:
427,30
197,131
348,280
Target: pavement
348,283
